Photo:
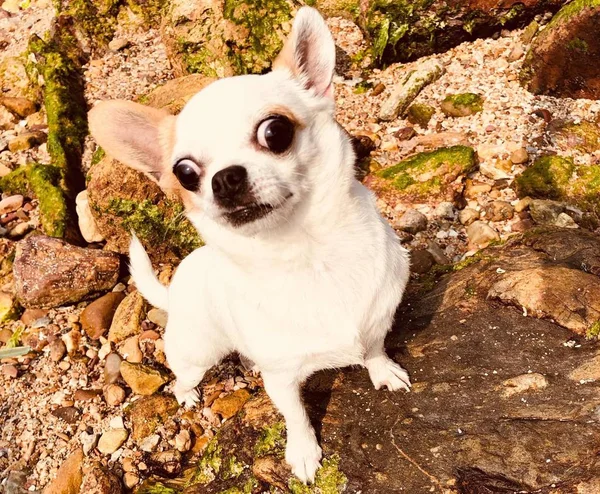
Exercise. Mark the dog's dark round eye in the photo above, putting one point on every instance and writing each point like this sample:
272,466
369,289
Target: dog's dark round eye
188,174
275,134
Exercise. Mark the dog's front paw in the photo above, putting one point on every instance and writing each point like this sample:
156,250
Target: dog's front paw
386,372
186,397
303,454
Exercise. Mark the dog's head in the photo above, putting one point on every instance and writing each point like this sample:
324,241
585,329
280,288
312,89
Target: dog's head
246,152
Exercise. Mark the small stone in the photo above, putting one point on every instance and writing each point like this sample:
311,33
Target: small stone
7,119
131,479
112,440
474,189
130,350
19,230
150,443
493,170
462,105
412,221
499,211
421,261
87,224
21,107
142,379
69,414
118,44
468,216
378,89
11,203
519,156
114,395
516,53
405,133
545,212
158,317
64,365
57,350
437,252
147,413
231,404
166,463
420,114
10,371
565,221
72,340
69,476
30,316
481,234
86,394
149,334
27,140
543,113
88,441
97,317
116,423
183,441
112,368
5,335
127,318
444,210
99,480
523,204
524,383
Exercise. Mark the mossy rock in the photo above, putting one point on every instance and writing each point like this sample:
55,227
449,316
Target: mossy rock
225,38
43,183
14,80
462,105
583,136
559,178
404,30
420,114
349,9
563,59
429,177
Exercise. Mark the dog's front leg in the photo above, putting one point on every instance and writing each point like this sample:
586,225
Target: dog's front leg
302,452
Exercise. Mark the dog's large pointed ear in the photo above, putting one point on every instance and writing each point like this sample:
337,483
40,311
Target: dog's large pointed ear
309,52
136,135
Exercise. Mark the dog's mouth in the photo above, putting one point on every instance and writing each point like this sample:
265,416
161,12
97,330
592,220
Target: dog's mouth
247,213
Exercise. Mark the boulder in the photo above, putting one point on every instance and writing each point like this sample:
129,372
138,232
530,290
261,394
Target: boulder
505,392
220,39
429,177
562,60
49,272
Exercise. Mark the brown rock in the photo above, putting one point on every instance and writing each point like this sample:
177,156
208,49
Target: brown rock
21,107
143,379
27,140
99,480
57,350
128,317
69,476
86,394
11,203
231,404
29,316
114,394
147,413
499,211
166,463
69,414
130,350
421,261
562,60
5,335
173,95
49,272
97,317
112,368
10,371
271,470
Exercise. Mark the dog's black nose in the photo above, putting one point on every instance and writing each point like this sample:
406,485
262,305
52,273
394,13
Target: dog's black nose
230,182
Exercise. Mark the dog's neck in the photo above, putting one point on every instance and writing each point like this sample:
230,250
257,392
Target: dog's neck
326,210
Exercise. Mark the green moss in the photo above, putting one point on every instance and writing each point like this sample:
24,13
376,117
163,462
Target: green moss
98,156
422,174
59,64
153,223
547,178
260,18
578,44
584,136
363,87
570,9
15,338
512,14
156,488
149,10
43,183
463,104
96,19
271,440
232,468
210,465
248,488
420,114
328,480
199,60
593,332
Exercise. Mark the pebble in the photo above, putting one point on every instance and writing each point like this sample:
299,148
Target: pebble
565,221
150,443
481,234
86,394
183,441
97,317
519,156
118,44
19,230
10,371
444,210
88,441
72,339
57,350
231,404
412,221
26,141
142,379
516,53
112,368
114,394
499,211
11,203
131,479
421,261
112,440
130,350
87,224
468,216
158,317
523,204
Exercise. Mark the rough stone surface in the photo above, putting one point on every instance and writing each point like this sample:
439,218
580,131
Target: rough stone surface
127,318
142,379
69,477
231,404
412,221
112,440
562,59
481,234
99,480
49,272
147,413
87,224
173,95
463,353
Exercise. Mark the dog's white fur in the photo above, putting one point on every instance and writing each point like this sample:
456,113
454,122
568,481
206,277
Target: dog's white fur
312,285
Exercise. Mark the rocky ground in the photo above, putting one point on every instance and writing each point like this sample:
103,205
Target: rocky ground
500,342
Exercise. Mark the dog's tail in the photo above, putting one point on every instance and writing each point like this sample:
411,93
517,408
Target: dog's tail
142,273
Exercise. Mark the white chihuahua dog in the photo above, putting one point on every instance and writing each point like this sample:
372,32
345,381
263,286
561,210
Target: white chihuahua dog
299,272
